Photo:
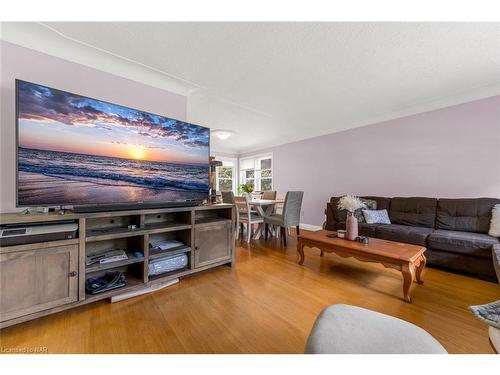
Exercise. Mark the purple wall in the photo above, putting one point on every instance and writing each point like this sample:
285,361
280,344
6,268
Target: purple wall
30,65
451,152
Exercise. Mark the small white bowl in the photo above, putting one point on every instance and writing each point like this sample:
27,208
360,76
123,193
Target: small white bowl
341,233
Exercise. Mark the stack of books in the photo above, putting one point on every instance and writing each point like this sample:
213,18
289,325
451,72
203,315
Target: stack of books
163,245
107,257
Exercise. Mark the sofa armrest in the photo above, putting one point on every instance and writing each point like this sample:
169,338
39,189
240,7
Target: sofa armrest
330,223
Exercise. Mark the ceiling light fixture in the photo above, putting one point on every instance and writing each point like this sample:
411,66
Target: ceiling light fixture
222,134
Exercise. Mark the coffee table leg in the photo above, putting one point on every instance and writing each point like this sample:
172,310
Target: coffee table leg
322,252
420,268
300,251
408,271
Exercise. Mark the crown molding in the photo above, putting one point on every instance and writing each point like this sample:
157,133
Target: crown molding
434,104
42,38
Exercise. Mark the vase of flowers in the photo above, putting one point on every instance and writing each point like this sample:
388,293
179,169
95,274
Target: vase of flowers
350,203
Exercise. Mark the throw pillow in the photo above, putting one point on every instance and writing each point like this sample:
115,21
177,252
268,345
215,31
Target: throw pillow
495,221
369,205
489,313
376,216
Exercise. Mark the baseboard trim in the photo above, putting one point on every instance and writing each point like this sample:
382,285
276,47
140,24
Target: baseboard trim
312,228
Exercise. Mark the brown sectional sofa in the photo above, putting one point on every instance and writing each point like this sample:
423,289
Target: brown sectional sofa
455,231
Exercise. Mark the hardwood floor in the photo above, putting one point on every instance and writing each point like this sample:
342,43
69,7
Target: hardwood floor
266,303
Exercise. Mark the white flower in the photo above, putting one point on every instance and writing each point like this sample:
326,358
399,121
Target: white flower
350,203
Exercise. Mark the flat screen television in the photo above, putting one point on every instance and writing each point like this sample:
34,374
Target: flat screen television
78,151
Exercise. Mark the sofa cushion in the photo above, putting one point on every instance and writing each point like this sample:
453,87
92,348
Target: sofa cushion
403,233
478,267
369,230
465,215
414,211
477,244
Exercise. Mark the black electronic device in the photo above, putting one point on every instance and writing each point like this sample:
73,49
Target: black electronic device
133,206
110,280
32,233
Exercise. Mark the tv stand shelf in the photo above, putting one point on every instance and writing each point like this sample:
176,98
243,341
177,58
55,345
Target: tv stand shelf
133,283
206,233
174,251
107,266
211,220
114,233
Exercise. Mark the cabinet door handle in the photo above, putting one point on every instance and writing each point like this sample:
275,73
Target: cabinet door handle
72,274
196,247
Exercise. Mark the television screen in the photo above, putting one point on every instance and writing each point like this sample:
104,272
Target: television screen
74,150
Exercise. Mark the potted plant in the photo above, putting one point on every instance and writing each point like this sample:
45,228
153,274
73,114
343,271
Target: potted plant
245,188
350,203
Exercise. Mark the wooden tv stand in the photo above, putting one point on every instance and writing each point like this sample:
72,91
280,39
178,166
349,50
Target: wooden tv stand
39,279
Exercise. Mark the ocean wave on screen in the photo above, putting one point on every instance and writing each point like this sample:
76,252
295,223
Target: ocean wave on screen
105,177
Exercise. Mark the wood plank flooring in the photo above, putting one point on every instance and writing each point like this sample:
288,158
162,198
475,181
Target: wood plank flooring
266,303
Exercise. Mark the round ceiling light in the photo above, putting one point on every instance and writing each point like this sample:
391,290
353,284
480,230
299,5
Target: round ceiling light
222,134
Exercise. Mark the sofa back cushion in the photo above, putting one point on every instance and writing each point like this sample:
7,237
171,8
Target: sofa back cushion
465,215
341,215
414,211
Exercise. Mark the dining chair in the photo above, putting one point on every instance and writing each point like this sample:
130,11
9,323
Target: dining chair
228,197
256,195
290,216
269,195
246,215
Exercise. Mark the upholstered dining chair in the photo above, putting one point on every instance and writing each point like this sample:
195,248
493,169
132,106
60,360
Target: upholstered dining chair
269,195
290,216
246,215
228,197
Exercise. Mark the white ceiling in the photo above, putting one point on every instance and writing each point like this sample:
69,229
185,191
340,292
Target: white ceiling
275,83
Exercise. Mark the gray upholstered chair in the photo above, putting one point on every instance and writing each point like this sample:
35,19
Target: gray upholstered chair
290,216
246,215
345,329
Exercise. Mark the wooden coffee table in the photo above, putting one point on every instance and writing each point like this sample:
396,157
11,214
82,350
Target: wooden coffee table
409,259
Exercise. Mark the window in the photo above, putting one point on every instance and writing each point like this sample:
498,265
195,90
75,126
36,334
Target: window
258,172
266,174
250,177
226,176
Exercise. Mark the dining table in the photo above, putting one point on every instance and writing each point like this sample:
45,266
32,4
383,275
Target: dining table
265,208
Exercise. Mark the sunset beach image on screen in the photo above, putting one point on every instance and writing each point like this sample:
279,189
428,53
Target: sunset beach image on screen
75,150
